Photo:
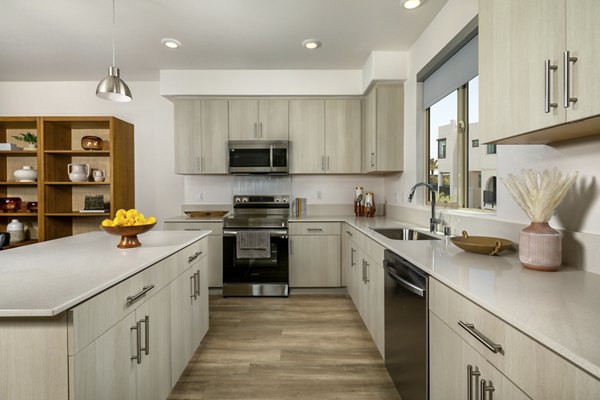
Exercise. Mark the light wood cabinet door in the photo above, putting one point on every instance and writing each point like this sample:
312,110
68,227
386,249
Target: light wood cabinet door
243,119
307,136
343,136
583,36
315,261
215,261
449,358
188,136
515,39
369,139
214,137
154,372
273,119
104,369
376,304
182,309
200,306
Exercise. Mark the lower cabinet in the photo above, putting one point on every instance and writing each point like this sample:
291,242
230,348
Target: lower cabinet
314,255
457,371
189,315
134,340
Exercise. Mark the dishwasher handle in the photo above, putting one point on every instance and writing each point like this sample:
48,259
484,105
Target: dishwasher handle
402,282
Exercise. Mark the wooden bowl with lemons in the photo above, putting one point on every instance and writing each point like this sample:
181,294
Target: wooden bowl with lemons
128,224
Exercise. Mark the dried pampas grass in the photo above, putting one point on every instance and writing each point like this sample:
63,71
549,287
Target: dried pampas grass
538,194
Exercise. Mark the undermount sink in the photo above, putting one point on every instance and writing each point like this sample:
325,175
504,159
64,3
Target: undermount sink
404,234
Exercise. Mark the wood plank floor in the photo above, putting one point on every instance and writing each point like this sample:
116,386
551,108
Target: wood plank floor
301,347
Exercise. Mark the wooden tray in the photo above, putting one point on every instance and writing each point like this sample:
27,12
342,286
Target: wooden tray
205,214
481,244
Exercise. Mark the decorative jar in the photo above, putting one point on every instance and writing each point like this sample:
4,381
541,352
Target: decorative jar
540,247
16,230
26,174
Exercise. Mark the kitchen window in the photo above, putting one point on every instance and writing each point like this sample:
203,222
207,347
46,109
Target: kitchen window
455,162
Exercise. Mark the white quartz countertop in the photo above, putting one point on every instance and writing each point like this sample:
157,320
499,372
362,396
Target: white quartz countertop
48,278
558,309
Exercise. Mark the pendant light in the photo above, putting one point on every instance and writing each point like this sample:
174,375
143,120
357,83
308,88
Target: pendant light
113,87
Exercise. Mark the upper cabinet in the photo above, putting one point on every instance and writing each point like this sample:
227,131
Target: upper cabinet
325,136
536,62
383,140
264,119
201,129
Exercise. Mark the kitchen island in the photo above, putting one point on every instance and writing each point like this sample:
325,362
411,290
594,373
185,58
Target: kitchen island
77,315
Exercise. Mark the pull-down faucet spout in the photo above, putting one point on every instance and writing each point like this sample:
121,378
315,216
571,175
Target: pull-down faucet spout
433,221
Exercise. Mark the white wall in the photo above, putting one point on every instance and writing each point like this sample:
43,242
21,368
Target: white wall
158,190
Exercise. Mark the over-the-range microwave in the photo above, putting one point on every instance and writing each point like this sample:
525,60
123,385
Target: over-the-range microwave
258,157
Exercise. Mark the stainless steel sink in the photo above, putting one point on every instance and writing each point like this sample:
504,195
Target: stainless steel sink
404,234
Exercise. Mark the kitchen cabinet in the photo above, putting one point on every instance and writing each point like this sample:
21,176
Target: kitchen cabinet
534,369
189,314
314,255
307,136
201,135
383,133
258,119
523,45
325,136
457,371
215,246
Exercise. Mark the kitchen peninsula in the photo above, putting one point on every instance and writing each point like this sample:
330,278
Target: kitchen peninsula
70,310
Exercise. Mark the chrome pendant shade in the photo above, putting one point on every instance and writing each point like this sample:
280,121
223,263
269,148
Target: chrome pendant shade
113,87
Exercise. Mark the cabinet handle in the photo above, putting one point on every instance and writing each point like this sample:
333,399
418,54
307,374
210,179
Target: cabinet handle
192,287
327,163
472,372
485,389
349,233
364,274
547,87
567,60
193,257
367,280
256,130
488,343
372,159
197,275
352,262
138,342
145,289
314,229
146,322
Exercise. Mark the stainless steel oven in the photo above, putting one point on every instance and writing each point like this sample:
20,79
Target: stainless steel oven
263,268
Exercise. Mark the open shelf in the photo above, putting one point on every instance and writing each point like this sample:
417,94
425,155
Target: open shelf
15,183
18,153
78,214
79,153
18,214
77,183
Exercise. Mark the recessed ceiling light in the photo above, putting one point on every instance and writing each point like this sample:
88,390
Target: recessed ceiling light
171,43
311,44
411,4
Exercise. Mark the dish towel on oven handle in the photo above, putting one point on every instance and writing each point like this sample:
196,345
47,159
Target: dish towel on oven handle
253,244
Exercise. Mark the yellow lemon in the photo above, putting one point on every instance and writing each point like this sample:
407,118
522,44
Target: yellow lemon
140,217
121,213
131,213
150,220
119,221
107,222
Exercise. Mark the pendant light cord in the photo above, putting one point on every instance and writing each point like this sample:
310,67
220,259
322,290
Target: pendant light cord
113,34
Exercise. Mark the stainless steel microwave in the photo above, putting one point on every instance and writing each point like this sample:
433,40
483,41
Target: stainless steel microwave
258,157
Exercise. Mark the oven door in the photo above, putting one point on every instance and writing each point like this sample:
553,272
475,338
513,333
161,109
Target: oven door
273,269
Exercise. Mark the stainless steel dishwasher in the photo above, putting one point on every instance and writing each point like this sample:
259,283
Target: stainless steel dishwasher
406,327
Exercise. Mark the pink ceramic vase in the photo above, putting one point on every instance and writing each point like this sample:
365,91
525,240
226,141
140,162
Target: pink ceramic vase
540,247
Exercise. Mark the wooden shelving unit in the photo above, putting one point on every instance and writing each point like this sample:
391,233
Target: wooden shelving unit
13,160
59,199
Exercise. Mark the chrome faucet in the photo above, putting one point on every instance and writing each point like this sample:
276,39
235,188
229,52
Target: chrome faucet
433,221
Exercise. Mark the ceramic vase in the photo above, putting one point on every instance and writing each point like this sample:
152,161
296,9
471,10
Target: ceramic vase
26,174
78,172
540,247
16,230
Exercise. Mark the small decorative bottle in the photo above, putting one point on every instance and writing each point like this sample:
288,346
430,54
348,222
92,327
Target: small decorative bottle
358,201
16,230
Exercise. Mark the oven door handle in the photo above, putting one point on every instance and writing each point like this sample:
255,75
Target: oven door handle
276,232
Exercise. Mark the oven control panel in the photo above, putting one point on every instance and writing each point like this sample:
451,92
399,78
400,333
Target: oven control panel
259,199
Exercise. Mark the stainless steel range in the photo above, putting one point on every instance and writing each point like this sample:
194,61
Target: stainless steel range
255,246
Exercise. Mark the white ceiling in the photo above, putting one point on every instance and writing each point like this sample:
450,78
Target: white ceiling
45,40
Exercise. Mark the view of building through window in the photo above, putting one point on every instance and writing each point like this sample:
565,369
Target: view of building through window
463,171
